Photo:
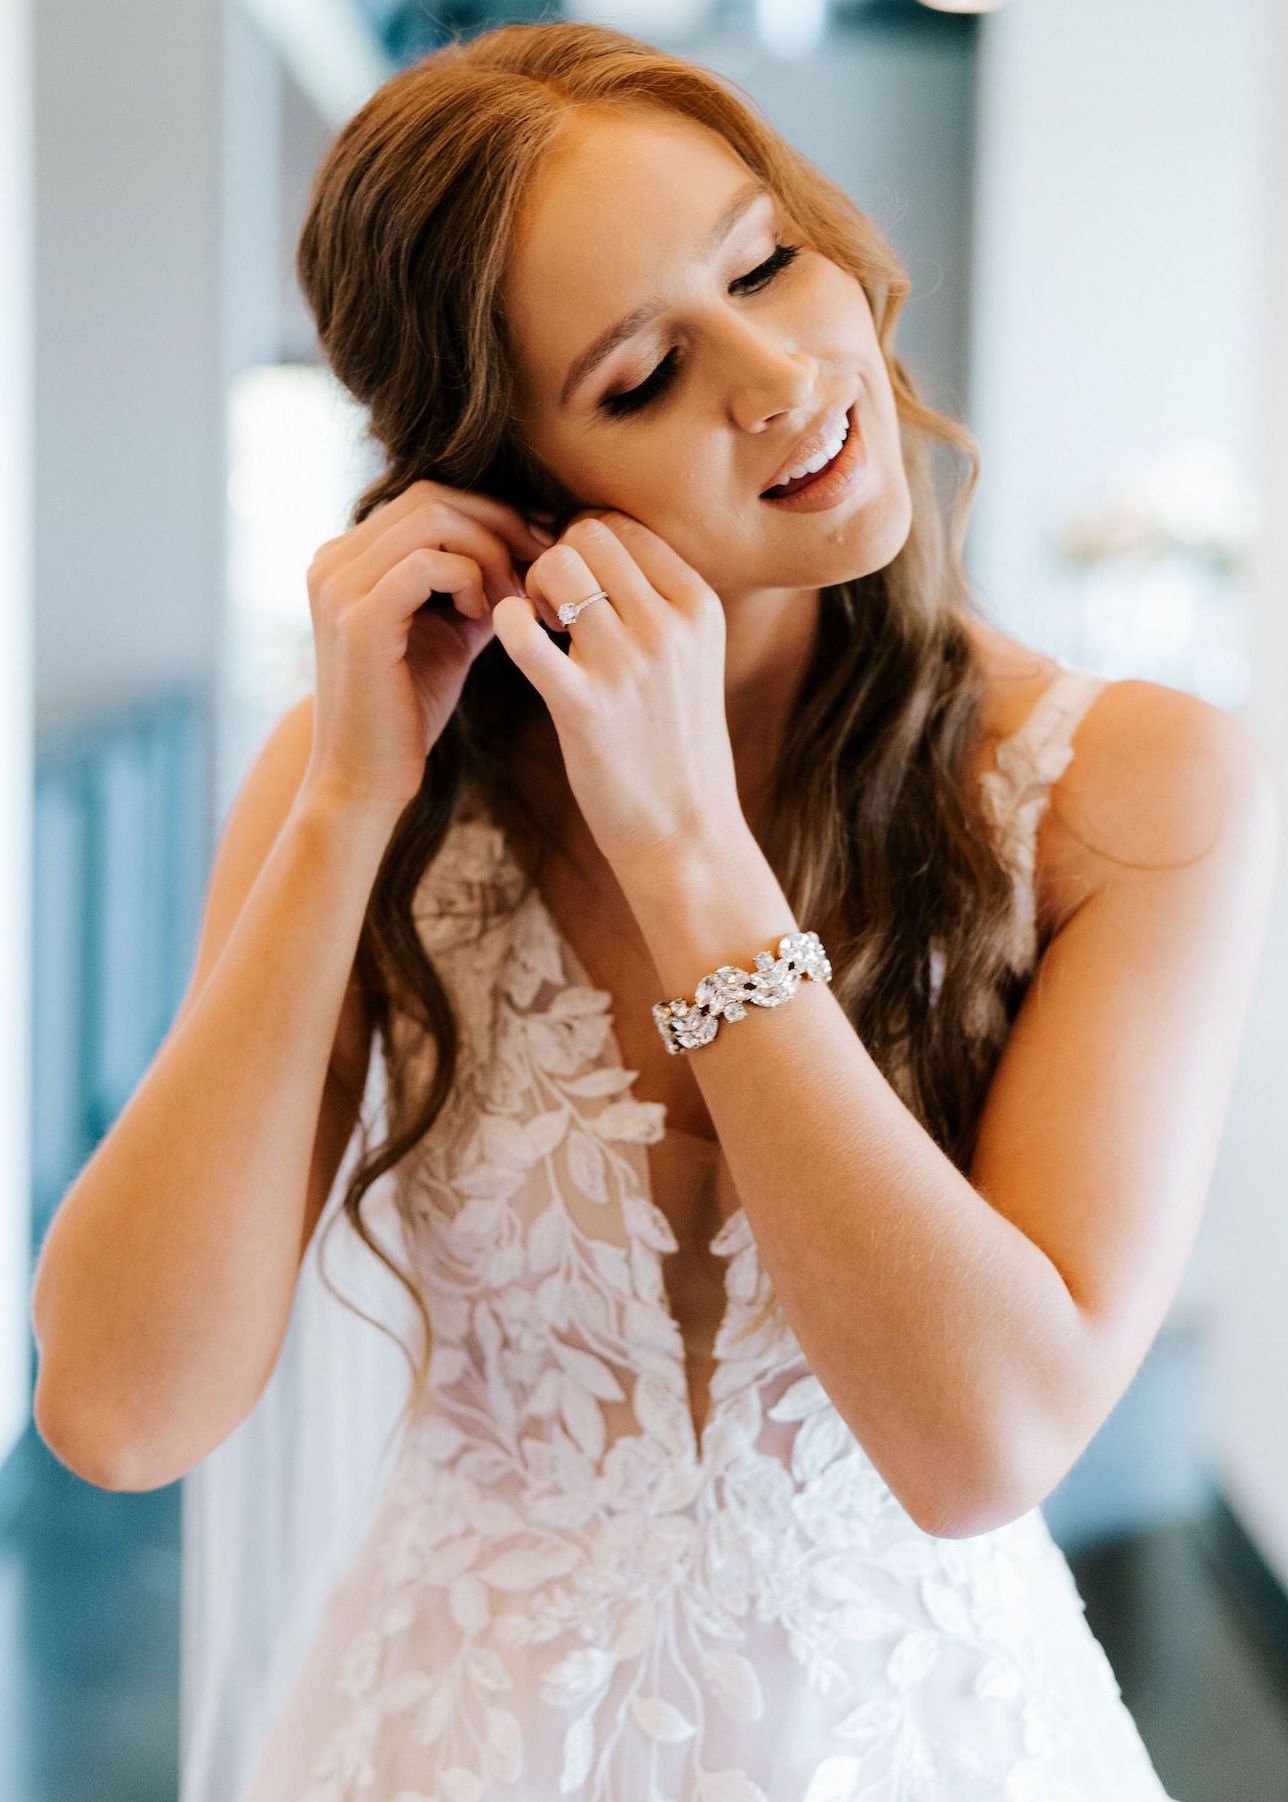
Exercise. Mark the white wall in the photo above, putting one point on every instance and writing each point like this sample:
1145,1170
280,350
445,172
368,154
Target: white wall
16,430
1116,229
129,446
1125,296
1250,1353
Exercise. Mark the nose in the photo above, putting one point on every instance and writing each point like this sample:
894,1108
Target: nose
766,376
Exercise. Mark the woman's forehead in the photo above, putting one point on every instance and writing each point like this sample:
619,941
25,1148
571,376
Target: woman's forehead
607,170
614,208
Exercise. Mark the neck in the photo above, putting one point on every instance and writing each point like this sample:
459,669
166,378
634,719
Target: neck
769,641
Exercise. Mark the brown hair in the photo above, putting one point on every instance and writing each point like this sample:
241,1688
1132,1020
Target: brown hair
874,820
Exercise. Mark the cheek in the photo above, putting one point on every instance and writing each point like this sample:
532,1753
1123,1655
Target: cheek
646,474
590,469
659,466
840,305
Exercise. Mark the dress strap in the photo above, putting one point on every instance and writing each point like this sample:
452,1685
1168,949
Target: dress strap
1041,748
1038,752
1027,762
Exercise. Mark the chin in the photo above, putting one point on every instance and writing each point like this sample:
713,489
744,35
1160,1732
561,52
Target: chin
869,540
884,537
896,530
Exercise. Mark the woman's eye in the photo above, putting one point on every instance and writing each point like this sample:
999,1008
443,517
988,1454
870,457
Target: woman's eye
652,386
639,397
782,255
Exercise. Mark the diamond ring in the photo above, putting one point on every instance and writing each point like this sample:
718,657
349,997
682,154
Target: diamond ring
568,610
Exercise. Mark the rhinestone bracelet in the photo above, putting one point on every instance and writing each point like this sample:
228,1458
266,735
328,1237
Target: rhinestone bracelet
687,1024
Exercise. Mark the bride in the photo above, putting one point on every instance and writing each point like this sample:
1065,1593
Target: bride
741,1352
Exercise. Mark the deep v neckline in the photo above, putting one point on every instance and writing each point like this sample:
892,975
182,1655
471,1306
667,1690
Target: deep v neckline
1000,766
734,1233
579,977
725,1240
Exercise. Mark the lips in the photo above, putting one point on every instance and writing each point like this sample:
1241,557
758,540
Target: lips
815,440
794,484
847,476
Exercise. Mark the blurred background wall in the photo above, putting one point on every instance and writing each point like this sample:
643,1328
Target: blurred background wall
1090,198
17,301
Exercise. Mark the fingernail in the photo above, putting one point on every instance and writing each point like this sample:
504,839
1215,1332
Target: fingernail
542,534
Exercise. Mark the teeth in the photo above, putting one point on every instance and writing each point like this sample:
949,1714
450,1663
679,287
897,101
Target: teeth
816,462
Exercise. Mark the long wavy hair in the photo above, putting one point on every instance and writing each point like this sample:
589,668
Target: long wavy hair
873,820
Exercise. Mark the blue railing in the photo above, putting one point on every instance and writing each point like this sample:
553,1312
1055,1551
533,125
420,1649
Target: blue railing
120,856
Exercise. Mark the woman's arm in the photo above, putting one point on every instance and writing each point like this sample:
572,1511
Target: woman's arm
166,1279
975,1332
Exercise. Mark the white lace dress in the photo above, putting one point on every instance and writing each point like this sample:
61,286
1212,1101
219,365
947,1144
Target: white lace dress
567,1592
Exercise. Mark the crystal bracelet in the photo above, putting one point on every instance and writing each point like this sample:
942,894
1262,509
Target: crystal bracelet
687,1024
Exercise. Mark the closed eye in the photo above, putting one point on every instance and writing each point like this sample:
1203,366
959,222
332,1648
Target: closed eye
653,385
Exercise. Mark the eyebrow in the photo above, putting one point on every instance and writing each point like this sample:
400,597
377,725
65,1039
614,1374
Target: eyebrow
607,341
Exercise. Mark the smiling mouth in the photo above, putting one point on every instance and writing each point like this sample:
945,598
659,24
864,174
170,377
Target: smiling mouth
796,483
828,486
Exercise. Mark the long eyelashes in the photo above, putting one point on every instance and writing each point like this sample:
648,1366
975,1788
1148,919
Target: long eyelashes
653,385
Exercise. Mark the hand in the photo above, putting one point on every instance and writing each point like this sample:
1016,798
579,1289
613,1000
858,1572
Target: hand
638,698
390,665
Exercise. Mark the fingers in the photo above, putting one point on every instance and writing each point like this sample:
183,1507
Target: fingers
437,518
439,529
437,501
498,516
560,575
409,582
590,556
663,568
506,521
555,676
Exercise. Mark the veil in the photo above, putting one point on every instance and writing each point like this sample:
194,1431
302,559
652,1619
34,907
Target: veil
272,1518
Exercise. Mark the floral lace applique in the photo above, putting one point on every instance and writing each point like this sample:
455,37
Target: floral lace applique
574,1595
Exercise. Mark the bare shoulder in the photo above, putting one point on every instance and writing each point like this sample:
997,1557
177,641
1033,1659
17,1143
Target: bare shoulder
1161,839
1161,781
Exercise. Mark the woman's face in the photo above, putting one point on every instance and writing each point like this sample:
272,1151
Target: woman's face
742,354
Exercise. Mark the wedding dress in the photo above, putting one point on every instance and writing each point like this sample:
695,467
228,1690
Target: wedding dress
595,1566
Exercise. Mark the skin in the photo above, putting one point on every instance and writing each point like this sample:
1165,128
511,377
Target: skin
614,217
